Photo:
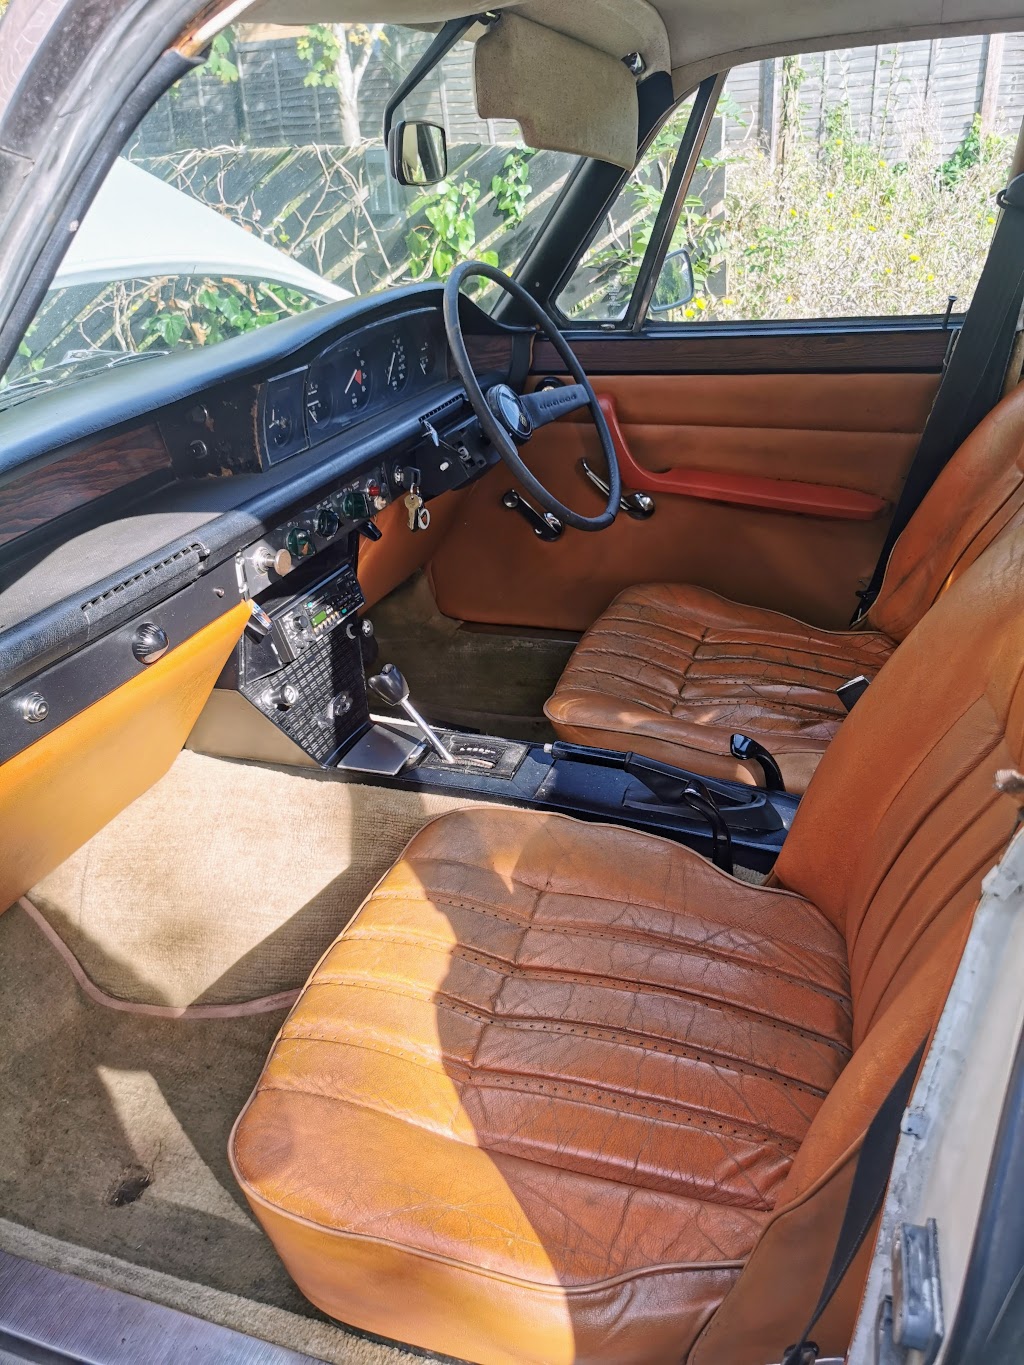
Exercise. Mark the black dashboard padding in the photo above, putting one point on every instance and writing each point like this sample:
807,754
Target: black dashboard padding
42,429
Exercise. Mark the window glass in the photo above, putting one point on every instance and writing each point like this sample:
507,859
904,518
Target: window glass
858,182
602,285
258,187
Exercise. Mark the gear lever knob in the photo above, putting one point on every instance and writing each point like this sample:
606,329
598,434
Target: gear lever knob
389,685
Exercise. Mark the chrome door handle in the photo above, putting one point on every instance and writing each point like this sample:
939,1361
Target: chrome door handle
639,506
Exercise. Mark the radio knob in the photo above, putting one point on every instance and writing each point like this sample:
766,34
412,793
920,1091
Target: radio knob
300,543
284,697
265,559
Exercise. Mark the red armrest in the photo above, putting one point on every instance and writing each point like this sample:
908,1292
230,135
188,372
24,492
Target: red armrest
740,490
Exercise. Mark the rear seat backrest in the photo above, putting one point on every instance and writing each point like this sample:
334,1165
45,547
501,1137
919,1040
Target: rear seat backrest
978,495
901,820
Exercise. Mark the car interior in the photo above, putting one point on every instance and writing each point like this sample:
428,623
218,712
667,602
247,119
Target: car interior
493,803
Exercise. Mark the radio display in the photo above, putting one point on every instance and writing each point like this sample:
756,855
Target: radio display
320,617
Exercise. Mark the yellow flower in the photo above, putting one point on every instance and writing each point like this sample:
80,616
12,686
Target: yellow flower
689,313
792,213
700,303
830,195
882,165
906,236
789,298
888,269
929,277
990,219
914,256
728,303
872,228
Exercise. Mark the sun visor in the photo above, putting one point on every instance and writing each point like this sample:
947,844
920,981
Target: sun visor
565,95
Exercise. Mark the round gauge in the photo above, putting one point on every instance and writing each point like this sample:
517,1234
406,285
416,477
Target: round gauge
279,425
318,397
353,380
396,370
426,356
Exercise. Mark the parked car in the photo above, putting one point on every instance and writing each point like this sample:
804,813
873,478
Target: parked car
511,712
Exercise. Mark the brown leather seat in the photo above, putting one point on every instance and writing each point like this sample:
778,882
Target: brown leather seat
565,1092
673,672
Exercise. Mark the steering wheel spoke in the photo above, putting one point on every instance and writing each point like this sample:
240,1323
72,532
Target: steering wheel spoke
547,405
508,419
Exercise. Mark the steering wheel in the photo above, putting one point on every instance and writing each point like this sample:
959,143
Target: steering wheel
509,419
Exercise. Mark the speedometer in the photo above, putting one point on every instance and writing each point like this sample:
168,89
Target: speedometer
353,380
396,369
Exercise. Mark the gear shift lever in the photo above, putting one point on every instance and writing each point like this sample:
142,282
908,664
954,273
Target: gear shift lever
390,686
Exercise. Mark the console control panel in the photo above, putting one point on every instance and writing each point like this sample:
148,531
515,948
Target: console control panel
306,620
313,530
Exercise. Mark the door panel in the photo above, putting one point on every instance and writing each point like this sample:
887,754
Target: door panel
831,431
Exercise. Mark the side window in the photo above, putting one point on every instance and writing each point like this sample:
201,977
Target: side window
602,284
859,182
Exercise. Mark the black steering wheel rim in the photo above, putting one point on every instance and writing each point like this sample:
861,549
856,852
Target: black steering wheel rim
494,429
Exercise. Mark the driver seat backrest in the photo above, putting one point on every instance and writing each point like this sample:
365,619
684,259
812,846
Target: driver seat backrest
900,823
977,496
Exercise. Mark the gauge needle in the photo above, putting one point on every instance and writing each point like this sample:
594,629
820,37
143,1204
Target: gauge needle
357,378
391,365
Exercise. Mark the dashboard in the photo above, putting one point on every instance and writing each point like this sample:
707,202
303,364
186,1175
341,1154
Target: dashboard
230,465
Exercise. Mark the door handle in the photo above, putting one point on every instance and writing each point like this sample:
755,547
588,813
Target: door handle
639,506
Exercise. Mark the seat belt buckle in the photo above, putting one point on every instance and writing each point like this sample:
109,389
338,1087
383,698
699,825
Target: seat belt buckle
806,1353
851,692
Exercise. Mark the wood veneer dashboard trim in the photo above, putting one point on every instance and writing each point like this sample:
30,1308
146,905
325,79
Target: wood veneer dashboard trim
79,478
860,350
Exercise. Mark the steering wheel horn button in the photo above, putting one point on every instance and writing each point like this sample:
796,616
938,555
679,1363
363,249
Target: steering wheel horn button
510,411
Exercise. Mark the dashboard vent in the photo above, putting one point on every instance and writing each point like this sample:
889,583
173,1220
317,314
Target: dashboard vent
176,569
449,406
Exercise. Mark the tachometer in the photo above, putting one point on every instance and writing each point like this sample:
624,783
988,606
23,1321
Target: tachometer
353,380
395,367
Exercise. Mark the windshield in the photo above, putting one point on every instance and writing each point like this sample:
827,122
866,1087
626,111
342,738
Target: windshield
258,187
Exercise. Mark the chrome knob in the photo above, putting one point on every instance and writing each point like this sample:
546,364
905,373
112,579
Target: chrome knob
284,697
266,559
34,708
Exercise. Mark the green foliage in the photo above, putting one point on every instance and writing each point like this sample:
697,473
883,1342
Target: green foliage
976,149
219,63
448,208
511,187
217,310
320,46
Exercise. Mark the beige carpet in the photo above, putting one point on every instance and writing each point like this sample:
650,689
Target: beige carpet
227,880
114,1133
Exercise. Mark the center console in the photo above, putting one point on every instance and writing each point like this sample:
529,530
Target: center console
300,672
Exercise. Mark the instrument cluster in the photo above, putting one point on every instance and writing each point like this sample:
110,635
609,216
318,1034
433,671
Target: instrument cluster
353,378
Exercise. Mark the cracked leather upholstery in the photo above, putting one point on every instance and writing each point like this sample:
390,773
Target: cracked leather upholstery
565,1092
672,672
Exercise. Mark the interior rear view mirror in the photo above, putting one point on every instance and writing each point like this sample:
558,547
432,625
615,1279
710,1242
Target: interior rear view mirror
418,153
675,286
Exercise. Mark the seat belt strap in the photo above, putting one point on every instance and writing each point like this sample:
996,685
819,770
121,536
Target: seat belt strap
867,1191
972,382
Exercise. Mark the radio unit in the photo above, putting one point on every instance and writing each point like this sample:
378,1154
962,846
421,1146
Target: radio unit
307,619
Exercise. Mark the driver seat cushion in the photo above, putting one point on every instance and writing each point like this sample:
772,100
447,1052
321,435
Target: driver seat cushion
572,1065
672,672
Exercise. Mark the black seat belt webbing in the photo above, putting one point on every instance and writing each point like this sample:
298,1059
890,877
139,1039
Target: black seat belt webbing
867,1190
972,382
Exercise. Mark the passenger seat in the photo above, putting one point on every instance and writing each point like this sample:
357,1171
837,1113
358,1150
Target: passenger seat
673,672
564,1092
